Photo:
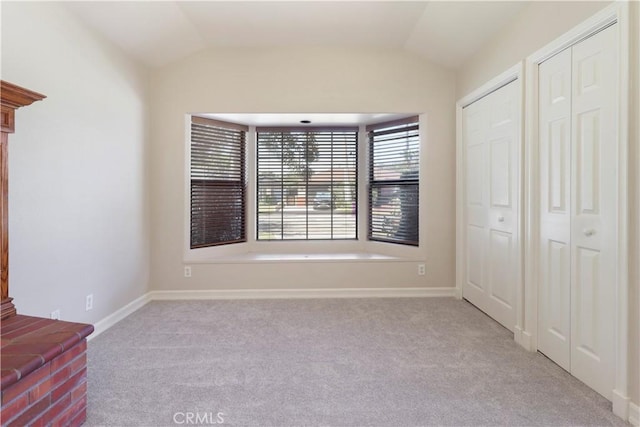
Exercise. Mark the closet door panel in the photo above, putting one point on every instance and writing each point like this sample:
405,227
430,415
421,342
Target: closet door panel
501,271
475,134
491,145
503,145
594,218
500,168
554,298
475,246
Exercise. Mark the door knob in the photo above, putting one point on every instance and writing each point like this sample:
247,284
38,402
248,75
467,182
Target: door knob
589,232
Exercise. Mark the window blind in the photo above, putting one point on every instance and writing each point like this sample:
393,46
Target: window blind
394,181
218,183
307,183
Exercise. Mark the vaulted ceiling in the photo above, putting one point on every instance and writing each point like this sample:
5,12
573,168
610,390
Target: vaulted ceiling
160,32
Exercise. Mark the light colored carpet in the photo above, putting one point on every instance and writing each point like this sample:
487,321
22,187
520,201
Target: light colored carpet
328,362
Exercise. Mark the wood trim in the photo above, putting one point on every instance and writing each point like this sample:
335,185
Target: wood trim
14,96
7,309
7,119
4,213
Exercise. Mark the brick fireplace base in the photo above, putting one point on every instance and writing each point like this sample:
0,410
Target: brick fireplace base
44,372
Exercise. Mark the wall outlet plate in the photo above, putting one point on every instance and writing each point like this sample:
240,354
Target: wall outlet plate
187,271
89,302
421,270
55,314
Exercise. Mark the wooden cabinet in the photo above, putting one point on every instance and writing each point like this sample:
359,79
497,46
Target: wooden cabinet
13,97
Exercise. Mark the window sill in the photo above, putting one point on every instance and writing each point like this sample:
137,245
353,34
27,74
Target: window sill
300,257
304,252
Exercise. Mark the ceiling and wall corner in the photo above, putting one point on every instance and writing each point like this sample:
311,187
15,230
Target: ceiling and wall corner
159,33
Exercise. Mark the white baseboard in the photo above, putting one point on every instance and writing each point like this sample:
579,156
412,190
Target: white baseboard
523,338
118,315
303,293
634,414
620,404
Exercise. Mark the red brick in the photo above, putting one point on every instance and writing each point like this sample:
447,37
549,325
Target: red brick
80,418
9,377
27,344
62,340
53,411
78,363
11,410
79,391
25,383
60,376
42,420
68,355
68,385
47,350
70,413
29,326
31,413
15,322
23,363
40,390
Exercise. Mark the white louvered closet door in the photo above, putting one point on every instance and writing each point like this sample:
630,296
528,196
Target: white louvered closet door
578,216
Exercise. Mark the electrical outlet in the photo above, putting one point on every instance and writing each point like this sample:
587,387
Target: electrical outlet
187,271
55,314
89,302
421,270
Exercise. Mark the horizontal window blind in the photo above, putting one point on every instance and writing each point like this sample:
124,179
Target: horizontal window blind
307,183
218,183
394,181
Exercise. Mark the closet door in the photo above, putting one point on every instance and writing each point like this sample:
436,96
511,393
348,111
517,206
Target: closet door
492,153
578,209
554,298
594,213
475,135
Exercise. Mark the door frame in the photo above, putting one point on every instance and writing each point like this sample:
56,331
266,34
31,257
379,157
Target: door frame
514,74
617,13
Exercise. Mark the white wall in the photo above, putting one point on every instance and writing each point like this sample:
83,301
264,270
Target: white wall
78,216
537,25
291,81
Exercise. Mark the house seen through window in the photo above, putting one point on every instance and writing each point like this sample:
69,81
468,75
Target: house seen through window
307,184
